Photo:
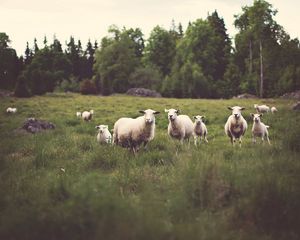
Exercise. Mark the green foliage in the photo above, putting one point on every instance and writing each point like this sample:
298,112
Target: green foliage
160,50
146,77
115,61
68,85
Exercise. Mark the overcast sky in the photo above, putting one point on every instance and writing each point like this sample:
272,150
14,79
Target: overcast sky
23,20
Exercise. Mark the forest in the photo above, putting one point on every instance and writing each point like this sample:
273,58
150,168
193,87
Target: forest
201,61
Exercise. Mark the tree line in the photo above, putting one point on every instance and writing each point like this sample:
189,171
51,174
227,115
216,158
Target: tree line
198,62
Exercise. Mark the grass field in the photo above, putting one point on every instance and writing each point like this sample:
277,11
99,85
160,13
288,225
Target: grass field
170,191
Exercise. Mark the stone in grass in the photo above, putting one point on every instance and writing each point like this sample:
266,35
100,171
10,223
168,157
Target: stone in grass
34,125
296,106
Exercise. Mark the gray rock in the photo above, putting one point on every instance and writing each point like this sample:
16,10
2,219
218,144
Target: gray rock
296,106
245,96
143,92
33,125
292,95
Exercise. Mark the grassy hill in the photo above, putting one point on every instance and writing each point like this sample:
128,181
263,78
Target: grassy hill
170,191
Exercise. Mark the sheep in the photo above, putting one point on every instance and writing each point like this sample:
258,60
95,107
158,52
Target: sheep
259,129
180,126
236,125
87,116
132,132
78,114
11,110
261,108
200,129
273,109
103,136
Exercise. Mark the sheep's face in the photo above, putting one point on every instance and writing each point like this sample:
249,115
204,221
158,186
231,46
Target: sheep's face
256,117
199,119
92,112
101,128
172,113
236,111
149,115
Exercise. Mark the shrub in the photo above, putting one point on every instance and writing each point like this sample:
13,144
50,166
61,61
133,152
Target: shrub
68,85
88,87
21,89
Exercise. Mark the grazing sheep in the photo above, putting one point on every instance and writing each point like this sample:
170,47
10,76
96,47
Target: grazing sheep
132,132
180,126
200,129
87,116
261,108
259,129
103,136
11,110
78,114
236,125
273,109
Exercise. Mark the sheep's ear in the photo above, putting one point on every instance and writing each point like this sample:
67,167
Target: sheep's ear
230,108
261,115
142,111
156,112
242,108
251,114
177,111
166,110
105,126
97,127
194,117
202,117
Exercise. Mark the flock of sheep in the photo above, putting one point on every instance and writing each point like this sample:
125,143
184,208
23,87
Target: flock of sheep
134,132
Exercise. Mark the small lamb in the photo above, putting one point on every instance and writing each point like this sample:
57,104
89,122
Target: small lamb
87,116
103,136
11,110
236,125
262,108
78,114
259,129
180,126
273,109
132,132
200,129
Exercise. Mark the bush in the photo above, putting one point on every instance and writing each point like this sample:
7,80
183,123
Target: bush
68,85
21,89
88,87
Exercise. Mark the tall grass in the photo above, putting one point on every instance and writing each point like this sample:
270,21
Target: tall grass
61,184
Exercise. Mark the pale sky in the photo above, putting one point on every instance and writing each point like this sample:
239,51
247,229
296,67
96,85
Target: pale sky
23,20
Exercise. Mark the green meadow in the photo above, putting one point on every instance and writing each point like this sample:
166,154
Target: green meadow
169,191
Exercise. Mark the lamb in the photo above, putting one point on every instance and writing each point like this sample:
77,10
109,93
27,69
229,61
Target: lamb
78,114
273,109
261,108
11,110
103,136
180,126
259,129
200,129
87,116
132,132
236,125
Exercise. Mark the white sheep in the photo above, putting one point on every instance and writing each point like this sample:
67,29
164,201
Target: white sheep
236,125
180,126
259,129
11,110
200,129
132,132
261,108
273,109
78,114
103,136
87,116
